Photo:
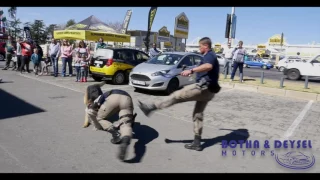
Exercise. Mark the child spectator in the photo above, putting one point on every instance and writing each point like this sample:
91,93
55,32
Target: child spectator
84,68
36,60
77,61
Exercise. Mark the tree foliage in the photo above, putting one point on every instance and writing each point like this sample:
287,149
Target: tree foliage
12,11
15,29
70,22
38,31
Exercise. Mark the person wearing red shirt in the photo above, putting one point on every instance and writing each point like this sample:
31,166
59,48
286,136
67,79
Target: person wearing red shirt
26,52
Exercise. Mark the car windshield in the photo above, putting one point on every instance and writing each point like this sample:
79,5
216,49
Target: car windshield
103,53
166,59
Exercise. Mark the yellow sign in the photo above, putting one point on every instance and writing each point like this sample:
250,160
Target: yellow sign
276,40
164,32
261,46
91,35
167,43
217,48
181,29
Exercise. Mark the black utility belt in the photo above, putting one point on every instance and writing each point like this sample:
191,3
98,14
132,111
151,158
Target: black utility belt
212,87
107,94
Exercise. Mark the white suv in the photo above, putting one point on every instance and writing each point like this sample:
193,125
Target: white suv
296,70
282,64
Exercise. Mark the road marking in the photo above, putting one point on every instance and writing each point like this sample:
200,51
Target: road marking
15,158
61,86
297,121
52,83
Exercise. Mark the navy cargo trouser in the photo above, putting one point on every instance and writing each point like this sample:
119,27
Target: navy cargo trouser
114,103
191,92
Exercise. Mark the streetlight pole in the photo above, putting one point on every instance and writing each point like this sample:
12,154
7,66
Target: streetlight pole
230,34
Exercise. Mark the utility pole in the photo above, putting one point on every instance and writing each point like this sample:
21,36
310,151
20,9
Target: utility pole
230,35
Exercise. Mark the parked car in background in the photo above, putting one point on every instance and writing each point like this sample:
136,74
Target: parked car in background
257,63
297,69
282,64
115,64
221,59
2,51
159,73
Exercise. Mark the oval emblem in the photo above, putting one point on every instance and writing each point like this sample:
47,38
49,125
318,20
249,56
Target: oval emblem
295,160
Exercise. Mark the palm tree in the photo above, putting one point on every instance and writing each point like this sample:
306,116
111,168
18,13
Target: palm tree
12,12
15,24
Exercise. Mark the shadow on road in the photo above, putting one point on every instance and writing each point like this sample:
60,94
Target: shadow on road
11,106
239,134
145,134
247,79
3,82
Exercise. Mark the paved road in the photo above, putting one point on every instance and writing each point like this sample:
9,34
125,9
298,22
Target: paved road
41,118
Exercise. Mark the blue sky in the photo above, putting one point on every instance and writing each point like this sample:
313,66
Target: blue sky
300,25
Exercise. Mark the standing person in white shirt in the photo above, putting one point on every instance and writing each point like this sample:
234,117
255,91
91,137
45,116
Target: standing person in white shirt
228,54
18,53
238,60
54,52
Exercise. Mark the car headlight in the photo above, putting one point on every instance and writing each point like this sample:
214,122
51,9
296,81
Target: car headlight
159,73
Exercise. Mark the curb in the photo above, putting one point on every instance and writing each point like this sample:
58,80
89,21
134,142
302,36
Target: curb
272,91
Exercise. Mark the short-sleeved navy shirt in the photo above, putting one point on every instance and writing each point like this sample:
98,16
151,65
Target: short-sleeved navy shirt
211,76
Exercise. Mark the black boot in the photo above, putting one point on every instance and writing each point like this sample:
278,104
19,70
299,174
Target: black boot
147,108
195,145
115,136
125,141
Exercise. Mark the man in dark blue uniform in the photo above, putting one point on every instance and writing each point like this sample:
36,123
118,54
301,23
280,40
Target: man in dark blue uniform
202,91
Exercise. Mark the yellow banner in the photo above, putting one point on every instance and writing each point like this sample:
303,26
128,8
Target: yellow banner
95,35
70,34
90,35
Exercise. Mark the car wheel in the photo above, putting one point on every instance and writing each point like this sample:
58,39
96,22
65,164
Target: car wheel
264,67
2,57
281,69
245,65
293,74
119,78
96,78
172,86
